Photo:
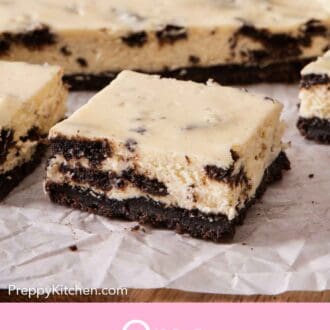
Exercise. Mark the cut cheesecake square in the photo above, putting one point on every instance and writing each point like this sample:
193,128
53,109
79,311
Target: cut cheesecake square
173,154
314,113
230,41
32,100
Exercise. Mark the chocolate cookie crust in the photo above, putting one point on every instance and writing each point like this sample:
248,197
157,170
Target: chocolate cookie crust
11,179
214,227
316,129
107,180
284,72
94,151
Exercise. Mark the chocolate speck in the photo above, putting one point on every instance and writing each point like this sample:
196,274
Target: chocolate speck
136,39
234,155
188,159
190,127
135,228
170,34
194,197
139,130
82,62
269,99
65,51
194,59
131,145
73,248
311,176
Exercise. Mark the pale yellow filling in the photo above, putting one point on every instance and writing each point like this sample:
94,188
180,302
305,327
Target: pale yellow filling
315,102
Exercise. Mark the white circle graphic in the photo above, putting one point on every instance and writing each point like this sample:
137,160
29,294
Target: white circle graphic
144,325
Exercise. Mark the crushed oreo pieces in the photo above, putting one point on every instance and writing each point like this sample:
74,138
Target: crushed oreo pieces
171,33
136,39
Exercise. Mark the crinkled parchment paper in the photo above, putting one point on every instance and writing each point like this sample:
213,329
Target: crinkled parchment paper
283,245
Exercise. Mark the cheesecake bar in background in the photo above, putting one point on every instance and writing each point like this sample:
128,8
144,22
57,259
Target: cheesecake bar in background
32,100
314,113
232,42
179,155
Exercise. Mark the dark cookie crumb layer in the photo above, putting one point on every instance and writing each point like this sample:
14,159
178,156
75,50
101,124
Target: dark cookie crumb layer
11,179
284,72
95,151
309,80
106,181
226,175
316,129
145,184
92,82
214,227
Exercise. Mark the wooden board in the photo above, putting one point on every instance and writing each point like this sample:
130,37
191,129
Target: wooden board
166,295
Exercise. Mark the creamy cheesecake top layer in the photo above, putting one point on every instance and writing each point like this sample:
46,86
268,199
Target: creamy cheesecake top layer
321,66
18,15
170,116
19,82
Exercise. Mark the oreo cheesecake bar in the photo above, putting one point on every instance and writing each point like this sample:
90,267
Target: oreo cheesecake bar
32,100
230,41
314,114
173,154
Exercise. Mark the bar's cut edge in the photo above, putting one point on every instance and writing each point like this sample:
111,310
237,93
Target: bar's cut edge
147,211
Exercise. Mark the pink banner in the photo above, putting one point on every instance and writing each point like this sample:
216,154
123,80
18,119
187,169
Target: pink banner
163,316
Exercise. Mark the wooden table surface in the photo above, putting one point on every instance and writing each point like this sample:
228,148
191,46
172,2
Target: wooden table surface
166,295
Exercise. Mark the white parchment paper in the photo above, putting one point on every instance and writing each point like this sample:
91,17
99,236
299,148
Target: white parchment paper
283,245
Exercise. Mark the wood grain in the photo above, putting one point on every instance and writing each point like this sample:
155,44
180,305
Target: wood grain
167,295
